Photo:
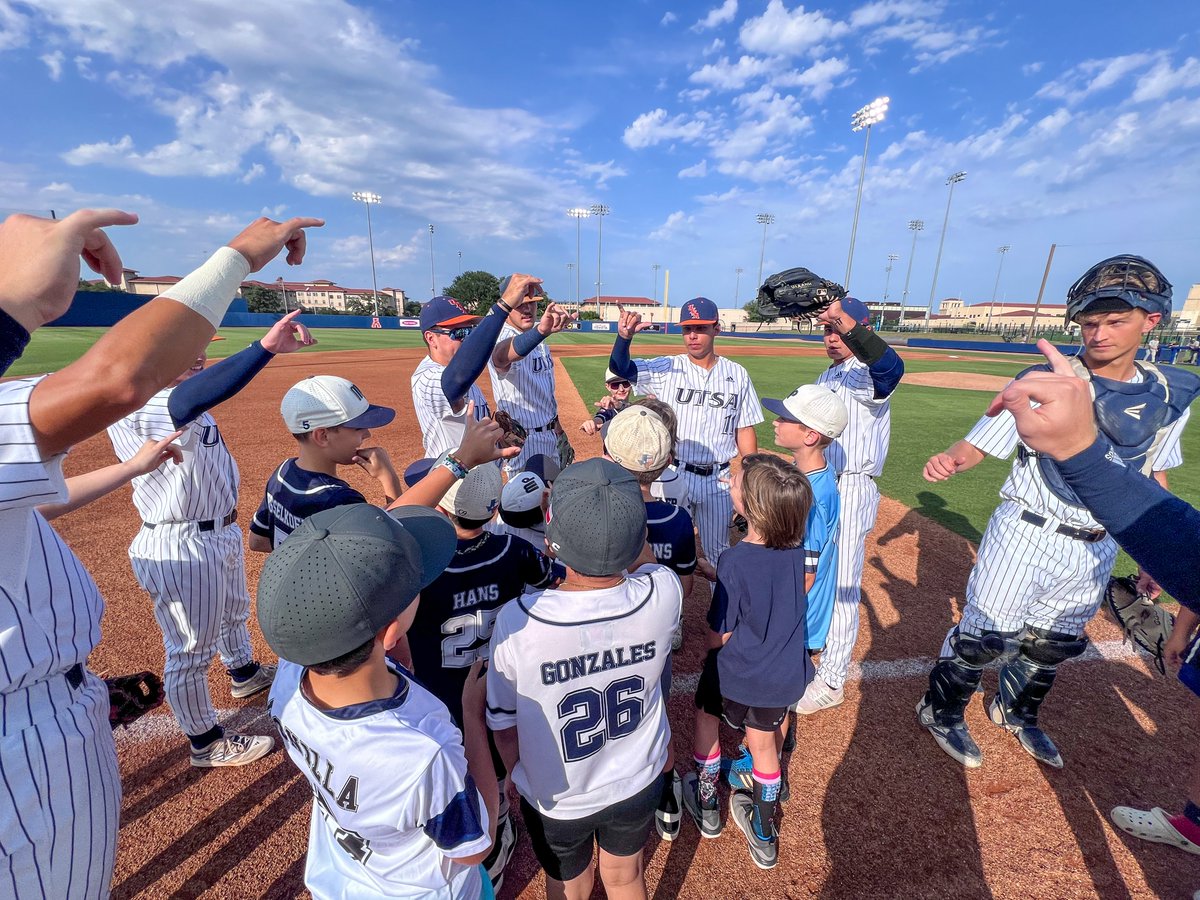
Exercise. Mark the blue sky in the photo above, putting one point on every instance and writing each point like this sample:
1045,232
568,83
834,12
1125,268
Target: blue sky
687,119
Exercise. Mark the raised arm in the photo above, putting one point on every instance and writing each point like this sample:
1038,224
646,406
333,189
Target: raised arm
619,362
509,350
884,364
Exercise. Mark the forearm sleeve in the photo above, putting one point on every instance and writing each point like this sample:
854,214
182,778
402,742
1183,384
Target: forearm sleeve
13,340
884,363
472,357
619,360
216,384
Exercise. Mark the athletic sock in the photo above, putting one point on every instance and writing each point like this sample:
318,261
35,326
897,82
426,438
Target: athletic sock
241,673
1192,811
708,769
1186,825
666,800
766,795
200,741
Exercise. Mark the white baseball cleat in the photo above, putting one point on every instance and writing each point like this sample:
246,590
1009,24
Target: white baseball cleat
819,696
232,749
259,681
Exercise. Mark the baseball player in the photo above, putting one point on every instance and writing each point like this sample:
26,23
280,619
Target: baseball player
864,373
716,407
59,830
403,804
522,374
1044,559
459,345
188,553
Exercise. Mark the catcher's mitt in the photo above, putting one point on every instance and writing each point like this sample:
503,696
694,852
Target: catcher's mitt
514,431
1145,623
566,453
738,526
132,696
797,293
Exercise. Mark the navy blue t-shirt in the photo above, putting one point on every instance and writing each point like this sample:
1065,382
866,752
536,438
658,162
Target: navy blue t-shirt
670,535
292,495
760,601
458,609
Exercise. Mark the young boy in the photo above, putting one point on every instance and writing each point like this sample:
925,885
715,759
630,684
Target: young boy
404,806
330,419
617,399
574,688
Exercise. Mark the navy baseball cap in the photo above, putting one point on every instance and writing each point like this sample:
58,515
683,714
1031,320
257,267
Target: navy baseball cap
418,470
344,574
543,466
700,311
857,310
596,520
446,312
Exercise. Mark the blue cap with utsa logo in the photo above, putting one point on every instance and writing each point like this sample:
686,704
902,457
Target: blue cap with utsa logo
446,312
700,311
857,310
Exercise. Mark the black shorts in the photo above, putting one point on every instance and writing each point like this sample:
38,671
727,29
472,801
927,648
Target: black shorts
736,715
564,847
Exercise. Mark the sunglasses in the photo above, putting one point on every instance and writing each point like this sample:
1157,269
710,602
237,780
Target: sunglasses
619,384
455,334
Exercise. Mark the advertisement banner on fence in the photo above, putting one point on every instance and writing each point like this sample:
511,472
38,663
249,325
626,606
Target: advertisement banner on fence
600,326
410,323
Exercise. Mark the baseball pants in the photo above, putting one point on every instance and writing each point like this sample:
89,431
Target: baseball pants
859,505
198,583
1031,575
537,442
61,808
711,508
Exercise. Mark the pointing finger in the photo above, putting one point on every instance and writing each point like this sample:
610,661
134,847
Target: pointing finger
1059,363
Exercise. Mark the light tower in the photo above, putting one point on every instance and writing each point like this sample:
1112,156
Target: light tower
892,257
367,198
951,182
599,210
763,219
578,213
871,114
1003,251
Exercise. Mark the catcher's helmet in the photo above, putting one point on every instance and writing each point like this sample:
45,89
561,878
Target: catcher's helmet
1118,282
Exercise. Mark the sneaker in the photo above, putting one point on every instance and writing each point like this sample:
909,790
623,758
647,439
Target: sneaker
232,749
818,696
667,821
1033,740
739,772
501,852
764,852
677,637
248,687
954,739
707,820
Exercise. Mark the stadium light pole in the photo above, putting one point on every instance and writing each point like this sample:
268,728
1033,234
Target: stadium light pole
366,198
1003,251
951,181
915,226
459,262
887,283
599,210
578,213
656,267
871,114
763,219
570,269
432,276
737,286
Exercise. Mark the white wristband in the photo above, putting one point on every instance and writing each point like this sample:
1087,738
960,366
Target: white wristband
211,288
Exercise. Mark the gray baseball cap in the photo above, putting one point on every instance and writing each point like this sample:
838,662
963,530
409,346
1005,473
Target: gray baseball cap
344,574
596,522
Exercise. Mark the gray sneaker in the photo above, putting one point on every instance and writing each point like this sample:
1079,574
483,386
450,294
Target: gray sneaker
707,820
232,750
764,853
259,681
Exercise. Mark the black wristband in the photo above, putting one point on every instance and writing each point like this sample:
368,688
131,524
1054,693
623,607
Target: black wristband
865,344
504,305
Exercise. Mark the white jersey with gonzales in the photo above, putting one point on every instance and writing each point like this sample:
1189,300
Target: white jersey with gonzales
442,428
203,486
526,389
392,797
862,447
584,693
710,404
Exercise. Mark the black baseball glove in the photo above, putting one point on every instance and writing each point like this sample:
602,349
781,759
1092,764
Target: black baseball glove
1144,622
797,293
514,431
132,696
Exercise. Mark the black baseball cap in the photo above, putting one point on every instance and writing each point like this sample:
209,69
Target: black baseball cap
345,573
596,521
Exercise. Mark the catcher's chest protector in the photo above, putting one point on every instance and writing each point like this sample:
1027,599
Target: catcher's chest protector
1135,417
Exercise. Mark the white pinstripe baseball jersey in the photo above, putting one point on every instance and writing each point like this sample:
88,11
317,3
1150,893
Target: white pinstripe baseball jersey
863,445
442,428
710,404
526,389
203,486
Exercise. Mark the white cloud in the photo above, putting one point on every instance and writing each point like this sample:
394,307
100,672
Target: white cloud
699,170
780,32
918,24
1093,76
779,168
676,222
654,127
717,45
1164,79
253,173
54,62
819,78
720,15
1031,68
600,173
668,18
695,95
727,76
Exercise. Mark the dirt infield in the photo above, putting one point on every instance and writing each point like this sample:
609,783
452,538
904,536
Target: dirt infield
962,381
876,810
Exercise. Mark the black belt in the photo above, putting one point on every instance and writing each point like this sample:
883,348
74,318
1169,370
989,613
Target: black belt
203,525
705,471
74,675
1079,534
549,426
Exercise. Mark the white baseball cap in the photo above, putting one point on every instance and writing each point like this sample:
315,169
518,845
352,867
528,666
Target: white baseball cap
476,496
814,406
610,375
323,401
521,501
636,439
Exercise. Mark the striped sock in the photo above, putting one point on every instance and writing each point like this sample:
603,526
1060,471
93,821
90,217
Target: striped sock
766,795
708,770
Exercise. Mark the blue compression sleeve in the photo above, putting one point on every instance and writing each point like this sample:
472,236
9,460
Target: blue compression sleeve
524,342
1159,530
13,340
886,373
216,384
619,361
472,357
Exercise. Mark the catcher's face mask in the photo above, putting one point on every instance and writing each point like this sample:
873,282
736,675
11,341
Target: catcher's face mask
1118,283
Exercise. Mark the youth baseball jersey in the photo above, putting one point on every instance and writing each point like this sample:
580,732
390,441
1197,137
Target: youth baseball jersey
821,553
579,675
710,404
526,389
203,486
535,537
671,536
863,446
292,495
458,609
442,428
670,487
392,797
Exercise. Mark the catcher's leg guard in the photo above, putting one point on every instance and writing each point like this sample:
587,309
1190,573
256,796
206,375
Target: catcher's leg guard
951,683
1024,683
